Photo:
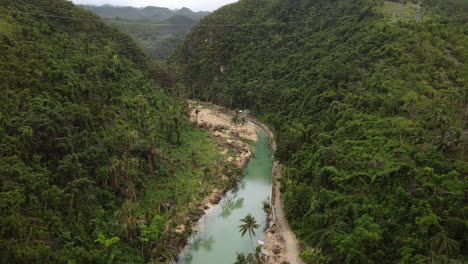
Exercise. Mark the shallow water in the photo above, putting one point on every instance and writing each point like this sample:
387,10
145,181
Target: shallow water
218,238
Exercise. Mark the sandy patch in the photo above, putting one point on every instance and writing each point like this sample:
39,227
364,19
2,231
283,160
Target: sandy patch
219,123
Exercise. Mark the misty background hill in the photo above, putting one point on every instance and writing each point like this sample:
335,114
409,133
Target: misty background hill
149,12
158,30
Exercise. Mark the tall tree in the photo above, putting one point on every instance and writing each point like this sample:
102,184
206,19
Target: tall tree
249,224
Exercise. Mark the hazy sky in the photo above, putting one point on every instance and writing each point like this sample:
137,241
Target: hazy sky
196,5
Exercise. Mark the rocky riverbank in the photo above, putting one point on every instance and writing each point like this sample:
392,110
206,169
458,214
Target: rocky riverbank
232,136
220,125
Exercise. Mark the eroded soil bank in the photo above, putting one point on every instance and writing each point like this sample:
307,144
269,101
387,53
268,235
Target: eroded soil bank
218,238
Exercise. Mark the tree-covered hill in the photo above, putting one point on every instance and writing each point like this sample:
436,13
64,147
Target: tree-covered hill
158,39
159,31
149,12
93,153
368,100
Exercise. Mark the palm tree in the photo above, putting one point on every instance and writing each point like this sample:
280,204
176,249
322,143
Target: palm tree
249,224
238,120
242,259
252,258
128,220
114,174
197,111
206,175
163,251
443,244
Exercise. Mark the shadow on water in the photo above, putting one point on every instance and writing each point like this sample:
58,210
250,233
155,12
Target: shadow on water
205,243
231,204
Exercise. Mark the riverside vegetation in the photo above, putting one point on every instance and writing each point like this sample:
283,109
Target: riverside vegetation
98,164
368,100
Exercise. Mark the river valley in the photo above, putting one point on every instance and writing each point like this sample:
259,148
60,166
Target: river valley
218,238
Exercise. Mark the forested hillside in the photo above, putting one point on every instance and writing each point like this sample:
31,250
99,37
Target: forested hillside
159,31
368,100
149,12
96,161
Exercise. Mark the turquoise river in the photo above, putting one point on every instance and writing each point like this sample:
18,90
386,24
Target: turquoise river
218,239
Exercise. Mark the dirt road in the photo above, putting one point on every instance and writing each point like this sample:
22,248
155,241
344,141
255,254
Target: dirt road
282,232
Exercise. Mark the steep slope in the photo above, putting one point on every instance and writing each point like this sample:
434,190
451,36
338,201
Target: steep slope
93,153
369,108
158,41
144,25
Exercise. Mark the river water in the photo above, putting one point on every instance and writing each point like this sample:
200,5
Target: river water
219,238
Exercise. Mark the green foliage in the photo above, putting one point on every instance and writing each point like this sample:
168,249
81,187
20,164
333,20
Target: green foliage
238,120
90,144
159,31
242,259
149,12
252,258
249,224
370,118
314,257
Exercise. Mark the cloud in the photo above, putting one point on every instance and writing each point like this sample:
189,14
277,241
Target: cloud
196,5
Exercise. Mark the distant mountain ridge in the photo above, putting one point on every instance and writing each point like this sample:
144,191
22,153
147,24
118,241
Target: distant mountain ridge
149,12
159,42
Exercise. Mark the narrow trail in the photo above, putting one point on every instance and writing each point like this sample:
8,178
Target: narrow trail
291,247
